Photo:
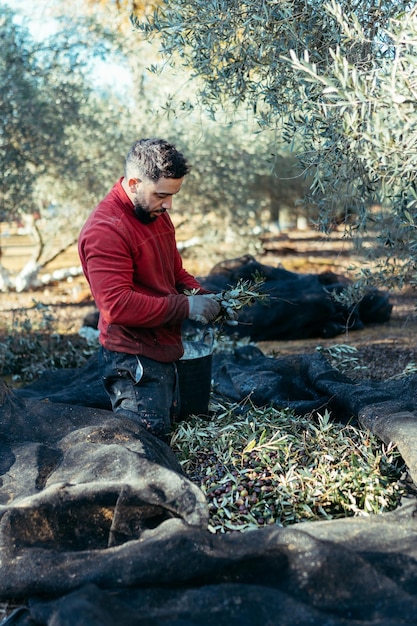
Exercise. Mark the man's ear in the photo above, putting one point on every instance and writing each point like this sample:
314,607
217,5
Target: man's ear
133,183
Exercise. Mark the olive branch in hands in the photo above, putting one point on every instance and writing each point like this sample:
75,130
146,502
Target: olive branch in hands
233,299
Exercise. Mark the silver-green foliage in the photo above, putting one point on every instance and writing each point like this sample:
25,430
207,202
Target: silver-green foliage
338,78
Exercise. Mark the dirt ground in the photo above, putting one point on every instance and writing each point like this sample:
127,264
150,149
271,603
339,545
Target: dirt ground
383,350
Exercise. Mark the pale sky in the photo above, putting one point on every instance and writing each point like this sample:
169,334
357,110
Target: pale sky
41,25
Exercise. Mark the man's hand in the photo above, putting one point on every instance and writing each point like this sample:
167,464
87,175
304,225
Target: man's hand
229,314
203,308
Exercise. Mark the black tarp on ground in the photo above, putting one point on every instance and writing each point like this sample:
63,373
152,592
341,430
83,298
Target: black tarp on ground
298,306
99,526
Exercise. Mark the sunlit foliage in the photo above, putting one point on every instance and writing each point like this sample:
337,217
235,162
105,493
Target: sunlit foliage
56,132
337,79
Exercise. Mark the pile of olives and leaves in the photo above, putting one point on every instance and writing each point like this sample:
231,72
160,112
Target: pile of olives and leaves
266,466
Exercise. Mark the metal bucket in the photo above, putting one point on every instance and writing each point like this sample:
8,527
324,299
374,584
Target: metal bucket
194,376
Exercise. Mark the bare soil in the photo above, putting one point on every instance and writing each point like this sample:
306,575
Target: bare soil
383,350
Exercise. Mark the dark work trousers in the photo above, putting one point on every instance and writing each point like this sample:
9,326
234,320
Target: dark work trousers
141,389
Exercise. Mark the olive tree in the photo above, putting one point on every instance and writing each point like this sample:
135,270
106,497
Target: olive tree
64,137
57,132
51,120
336,79
237,174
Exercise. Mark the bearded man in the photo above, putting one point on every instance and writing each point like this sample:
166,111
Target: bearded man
130,259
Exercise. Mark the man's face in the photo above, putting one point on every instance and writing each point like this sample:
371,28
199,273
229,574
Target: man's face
151,199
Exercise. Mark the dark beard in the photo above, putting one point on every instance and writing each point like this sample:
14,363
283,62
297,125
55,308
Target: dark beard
143,215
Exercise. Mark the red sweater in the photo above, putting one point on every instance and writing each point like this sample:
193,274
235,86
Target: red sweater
136,278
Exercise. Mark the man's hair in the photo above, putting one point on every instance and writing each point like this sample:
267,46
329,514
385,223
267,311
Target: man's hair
155,159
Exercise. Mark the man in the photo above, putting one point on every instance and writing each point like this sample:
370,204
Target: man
129,256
